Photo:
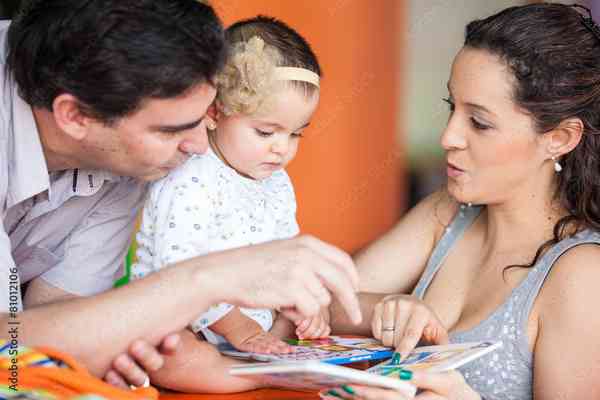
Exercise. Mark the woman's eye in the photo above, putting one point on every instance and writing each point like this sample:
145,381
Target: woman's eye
478,125
263,133
297,134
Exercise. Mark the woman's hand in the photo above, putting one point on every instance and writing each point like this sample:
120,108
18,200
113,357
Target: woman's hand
402,321
432,385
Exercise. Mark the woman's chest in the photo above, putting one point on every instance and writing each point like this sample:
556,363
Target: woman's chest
474,289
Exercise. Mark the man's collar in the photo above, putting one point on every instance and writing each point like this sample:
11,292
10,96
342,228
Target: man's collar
28,173
86,182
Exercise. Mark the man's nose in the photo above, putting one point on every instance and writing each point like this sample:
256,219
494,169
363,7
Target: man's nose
195,142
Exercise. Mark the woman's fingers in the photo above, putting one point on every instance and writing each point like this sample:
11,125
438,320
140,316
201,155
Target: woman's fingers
404,310
388,326
356,392
402,321
436,333
376,320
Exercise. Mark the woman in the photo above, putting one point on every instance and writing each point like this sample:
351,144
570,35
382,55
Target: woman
509,250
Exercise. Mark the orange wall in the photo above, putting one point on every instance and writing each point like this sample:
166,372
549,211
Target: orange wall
348,173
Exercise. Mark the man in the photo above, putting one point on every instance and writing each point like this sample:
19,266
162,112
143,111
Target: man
97,98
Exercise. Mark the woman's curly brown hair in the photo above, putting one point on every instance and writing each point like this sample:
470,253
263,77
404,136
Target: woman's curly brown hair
555,60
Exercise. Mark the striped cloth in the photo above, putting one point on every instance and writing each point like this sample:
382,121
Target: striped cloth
28,357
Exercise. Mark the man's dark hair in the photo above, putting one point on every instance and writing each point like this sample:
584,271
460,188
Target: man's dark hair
112,54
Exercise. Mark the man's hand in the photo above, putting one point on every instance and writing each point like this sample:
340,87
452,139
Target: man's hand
133,367
297,276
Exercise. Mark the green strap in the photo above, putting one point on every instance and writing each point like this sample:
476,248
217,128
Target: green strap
124,280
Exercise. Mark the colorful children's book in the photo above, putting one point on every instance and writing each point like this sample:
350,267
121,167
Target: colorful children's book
313,374
331,350
438,358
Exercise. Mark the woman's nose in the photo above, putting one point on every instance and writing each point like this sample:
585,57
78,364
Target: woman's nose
453,136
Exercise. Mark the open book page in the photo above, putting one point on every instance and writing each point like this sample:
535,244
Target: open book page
438,358
332,350
314,375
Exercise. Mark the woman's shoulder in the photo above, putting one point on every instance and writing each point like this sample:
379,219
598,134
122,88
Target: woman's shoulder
573,280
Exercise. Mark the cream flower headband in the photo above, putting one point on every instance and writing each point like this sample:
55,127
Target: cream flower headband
252,74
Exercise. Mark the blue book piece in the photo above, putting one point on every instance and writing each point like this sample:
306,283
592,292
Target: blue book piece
331,350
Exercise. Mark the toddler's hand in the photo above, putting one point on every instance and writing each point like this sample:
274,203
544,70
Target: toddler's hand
258,342
315,327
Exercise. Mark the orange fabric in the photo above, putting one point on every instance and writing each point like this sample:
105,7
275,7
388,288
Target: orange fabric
72,381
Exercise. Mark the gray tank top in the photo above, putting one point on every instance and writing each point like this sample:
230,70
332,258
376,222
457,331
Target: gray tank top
506,373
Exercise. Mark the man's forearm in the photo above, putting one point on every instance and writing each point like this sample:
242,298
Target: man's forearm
198,367
96,329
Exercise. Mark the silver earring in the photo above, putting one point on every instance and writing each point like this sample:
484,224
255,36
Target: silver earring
557,166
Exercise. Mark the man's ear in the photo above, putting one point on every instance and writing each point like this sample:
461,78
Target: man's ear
213,114
69,117
213,111
564,138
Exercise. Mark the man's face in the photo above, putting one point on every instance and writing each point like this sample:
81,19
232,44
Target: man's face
154,140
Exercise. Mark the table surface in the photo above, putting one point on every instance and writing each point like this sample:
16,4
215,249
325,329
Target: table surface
262,394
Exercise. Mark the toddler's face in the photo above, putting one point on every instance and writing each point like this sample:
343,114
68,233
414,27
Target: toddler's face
258,145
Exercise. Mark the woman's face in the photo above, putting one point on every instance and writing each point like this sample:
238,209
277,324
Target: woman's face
492,150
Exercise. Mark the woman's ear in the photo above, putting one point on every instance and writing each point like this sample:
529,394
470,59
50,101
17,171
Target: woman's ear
69,117
565,137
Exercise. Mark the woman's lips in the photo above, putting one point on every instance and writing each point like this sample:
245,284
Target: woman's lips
453,171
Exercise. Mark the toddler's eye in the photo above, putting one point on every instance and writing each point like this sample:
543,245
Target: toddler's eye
263,133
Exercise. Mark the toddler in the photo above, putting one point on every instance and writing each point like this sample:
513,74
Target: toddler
238,193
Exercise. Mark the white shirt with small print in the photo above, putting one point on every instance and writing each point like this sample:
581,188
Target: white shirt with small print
205,206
